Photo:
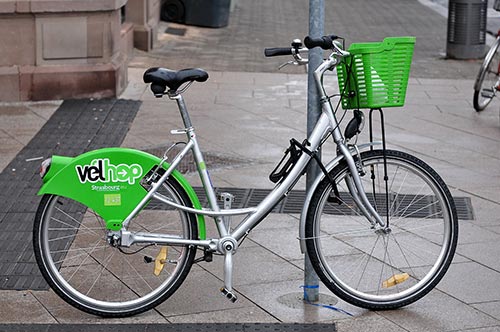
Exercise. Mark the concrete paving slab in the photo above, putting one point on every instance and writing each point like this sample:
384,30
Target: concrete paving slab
280,221
63,313
256,265
495,229
288,246
485,329
241,315
490,308
469,282
367,322
270,297
439,312
486,253
200,293
23,307
8,150
471,233
44,109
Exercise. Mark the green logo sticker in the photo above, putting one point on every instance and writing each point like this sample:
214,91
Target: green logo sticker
112,199
101,170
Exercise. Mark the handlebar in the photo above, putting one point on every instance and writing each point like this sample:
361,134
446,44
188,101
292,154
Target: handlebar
325,42
278,51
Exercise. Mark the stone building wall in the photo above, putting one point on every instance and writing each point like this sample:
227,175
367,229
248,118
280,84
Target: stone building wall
56,49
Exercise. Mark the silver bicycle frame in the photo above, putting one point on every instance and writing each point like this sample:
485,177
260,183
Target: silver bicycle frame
326,124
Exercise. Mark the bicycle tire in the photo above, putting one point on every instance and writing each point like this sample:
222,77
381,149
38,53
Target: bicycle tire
480,101
77,262
355,261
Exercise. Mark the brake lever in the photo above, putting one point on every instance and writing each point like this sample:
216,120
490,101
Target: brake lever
291,62
338,48
296,50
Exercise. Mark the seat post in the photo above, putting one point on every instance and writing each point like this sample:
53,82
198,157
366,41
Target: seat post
182,109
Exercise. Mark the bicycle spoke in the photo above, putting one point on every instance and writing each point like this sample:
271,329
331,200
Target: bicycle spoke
370,256
139,275
83,261
71,218
103,267
75,256
403,254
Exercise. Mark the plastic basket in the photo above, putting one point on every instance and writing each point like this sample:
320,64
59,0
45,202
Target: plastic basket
378,73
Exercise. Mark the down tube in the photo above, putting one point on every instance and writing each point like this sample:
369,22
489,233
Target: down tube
281,190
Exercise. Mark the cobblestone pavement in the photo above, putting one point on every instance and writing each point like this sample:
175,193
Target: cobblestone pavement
257,24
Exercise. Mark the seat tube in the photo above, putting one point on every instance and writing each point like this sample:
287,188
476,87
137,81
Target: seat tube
207,182
200,163
181,104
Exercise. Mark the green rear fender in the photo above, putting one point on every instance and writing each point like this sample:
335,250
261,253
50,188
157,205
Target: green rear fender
108,181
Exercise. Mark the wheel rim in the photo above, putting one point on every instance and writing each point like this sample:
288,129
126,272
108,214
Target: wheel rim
95,275
378,265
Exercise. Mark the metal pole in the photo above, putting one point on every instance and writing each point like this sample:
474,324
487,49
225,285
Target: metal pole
316,29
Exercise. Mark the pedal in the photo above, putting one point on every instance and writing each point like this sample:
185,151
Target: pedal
208,256
487,93
229,295
160,260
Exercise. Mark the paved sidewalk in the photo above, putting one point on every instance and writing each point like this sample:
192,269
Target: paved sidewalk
245,120
262,23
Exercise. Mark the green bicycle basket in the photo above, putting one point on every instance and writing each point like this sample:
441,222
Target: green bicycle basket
376,74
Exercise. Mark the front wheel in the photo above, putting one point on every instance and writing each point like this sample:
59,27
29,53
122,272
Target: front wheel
377,267
487,81
74,256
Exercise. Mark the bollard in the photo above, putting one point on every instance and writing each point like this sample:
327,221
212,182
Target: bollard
466,29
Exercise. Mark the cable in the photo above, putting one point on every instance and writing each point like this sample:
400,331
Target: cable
135,252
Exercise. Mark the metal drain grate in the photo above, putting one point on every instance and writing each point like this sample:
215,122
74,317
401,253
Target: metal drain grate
76,126
421,206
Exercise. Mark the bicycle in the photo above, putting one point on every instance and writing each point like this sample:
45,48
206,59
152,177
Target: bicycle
117,230
487,81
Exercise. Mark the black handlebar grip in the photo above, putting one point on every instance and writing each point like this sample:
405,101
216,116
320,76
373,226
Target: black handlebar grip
277,51
324,42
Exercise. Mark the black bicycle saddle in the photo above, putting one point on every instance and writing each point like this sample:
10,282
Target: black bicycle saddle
161,78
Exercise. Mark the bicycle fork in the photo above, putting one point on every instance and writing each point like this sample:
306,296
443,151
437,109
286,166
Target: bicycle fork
357,190
355,185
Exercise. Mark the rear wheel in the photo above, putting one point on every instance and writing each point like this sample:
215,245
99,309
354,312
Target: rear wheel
379,267
74,256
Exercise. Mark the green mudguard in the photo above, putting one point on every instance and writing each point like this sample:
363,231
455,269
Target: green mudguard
109,182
